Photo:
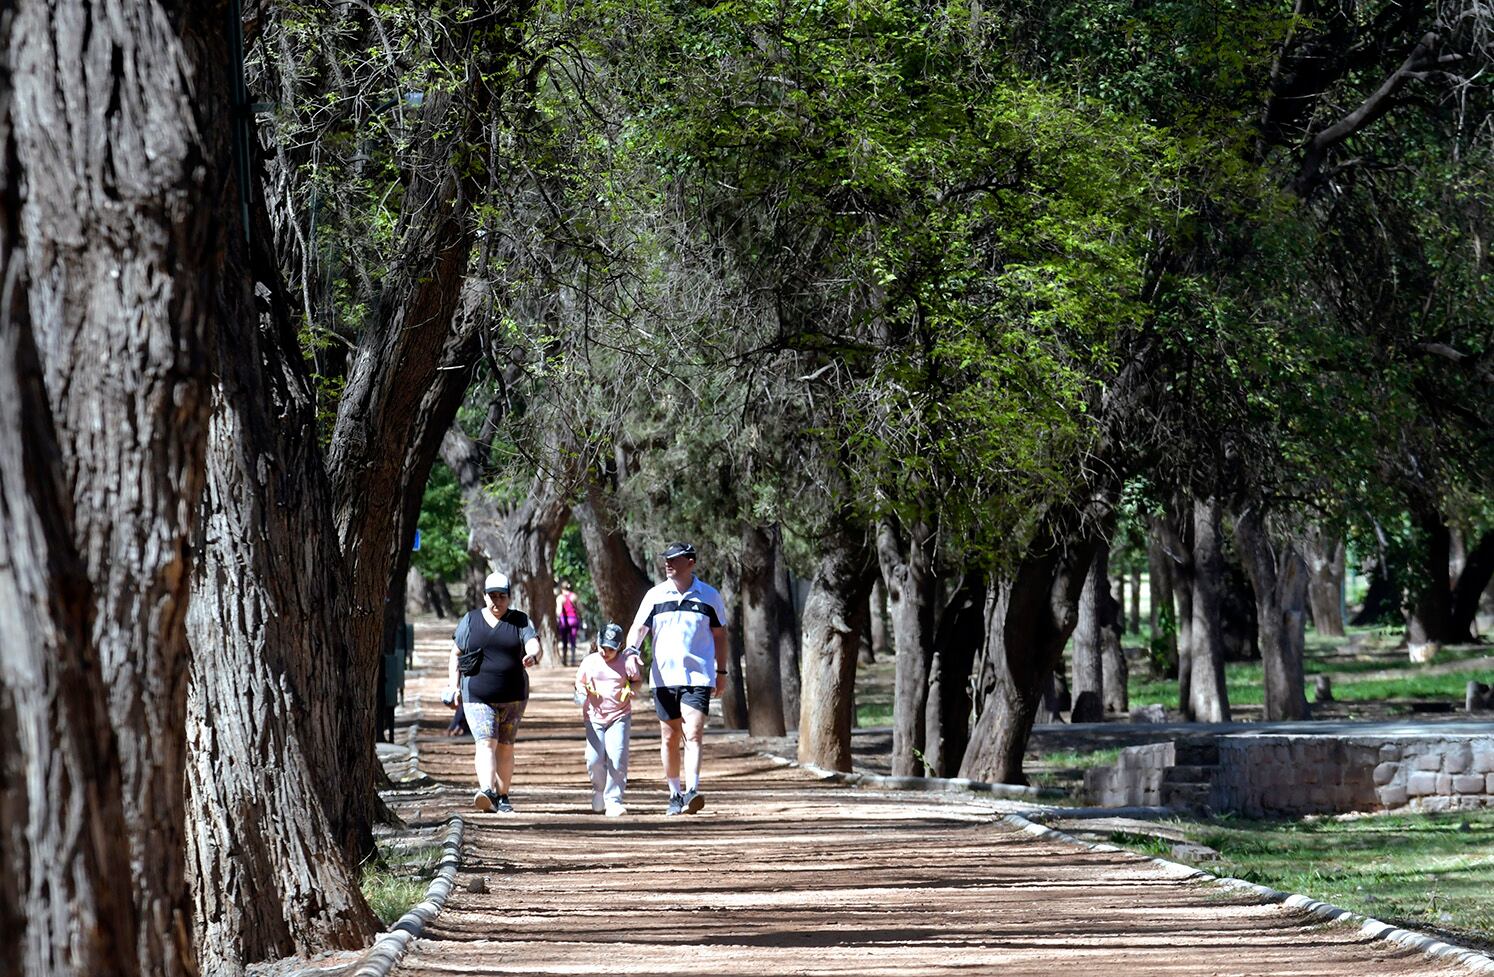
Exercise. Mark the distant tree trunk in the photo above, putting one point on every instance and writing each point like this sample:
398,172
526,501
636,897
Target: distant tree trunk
1162,617
1113,660
734,698
65,901
1207,693
789,631
760,633
1176,535
833,618
118,132
1133,623
1478,570
1382,601
881,642
1088,644
272,875
1430,617
1029,617
1325,563
620,584
1279,576
956,644
906,556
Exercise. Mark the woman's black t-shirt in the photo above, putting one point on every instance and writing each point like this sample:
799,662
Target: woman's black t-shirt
501,677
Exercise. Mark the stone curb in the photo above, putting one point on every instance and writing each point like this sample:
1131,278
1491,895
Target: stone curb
390,948
1372,928
931,784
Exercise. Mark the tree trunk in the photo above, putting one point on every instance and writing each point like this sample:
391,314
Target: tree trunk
834,615
62,905
1382,602
272,851
734,697
1175,531
1325,562
1088,645
881,641
906,558
1478,570
1279,576
620,583
956,644
1133,623
1029,617
1207,693
1430,618
1162,617
122,119
788,633
759,622
1117,671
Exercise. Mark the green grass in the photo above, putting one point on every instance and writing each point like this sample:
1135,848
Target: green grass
1430,872
1078,759
398,879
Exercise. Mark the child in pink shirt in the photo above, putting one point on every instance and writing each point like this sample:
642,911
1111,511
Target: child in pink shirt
606,682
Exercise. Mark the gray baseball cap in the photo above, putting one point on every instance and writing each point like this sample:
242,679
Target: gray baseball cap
612,636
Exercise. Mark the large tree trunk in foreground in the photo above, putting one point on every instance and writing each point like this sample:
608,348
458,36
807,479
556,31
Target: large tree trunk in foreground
906,555
63,904
759,624
1206,692
619,583
271,876
833,618
734,696
956,643
1325,553
1029,617
1089,641
1430,619
1478,570
122,116
788,633
1279,575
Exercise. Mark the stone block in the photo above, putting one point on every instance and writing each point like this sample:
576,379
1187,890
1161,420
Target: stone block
1358,755
1392,796
1390,752
1444,783
1321,798
1468,783
1310,774
1457,759
1385,773
1434,804
1483,759
1489,783
1429,761
1421,783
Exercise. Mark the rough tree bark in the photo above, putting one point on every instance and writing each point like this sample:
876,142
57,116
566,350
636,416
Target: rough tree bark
1429,621
1133,623
121,130
1088,648
734,696
1163,618
271,875
1206,691
788,633
1478,570
760,623
1279,576
957,641
833,617
64,910
881,644
1175,532
620,583
1325,554
1029,616
906,557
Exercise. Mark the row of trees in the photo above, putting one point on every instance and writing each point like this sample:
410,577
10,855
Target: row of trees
920,292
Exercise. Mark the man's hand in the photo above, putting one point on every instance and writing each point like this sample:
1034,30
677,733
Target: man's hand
720,684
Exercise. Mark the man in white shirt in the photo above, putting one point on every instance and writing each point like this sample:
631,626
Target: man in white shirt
688,622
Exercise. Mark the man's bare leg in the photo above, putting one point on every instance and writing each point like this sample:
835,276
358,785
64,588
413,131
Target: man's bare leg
693,721
670,737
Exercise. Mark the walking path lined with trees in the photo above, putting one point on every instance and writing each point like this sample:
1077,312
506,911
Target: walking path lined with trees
787,873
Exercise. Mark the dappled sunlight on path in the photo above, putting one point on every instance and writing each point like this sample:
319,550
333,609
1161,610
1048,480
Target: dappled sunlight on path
786,874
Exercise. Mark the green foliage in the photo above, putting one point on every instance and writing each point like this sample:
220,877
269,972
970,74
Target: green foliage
443,529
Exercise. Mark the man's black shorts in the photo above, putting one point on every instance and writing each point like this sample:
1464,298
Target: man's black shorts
669,698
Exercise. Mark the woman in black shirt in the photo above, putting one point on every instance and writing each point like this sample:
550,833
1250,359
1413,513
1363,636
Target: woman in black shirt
492,647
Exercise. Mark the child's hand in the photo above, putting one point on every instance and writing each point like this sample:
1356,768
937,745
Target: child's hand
631,669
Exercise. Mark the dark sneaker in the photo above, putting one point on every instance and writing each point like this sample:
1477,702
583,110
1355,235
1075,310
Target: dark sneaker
485,800
693,800
504,807
676,805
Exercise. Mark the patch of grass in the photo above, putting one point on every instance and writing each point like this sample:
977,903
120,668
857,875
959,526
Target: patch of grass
1083,759
873,714
398,879
1453,686
1430,872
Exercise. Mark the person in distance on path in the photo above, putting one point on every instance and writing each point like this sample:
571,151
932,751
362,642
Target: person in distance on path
493,646
606,682
687,619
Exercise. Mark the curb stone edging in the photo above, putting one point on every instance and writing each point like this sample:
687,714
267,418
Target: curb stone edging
927,784
390,948
1368,926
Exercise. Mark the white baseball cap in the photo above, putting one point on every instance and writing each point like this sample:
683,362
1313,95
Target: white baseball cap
496,583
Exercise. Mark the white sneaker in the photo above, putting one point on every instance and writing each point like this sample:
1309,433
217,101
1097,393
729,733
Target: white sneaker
615,810
597,804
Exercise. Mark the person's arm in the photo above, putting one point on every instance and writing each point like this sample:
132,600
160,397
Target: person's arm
639,630
723,648
452,685
532,652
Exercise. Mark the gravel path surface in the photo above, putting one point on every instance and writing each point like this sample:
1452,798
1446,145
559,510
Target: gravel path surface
783,873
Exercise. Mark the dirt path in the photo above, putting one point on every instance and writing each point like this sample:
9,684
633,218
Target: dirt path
785,874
